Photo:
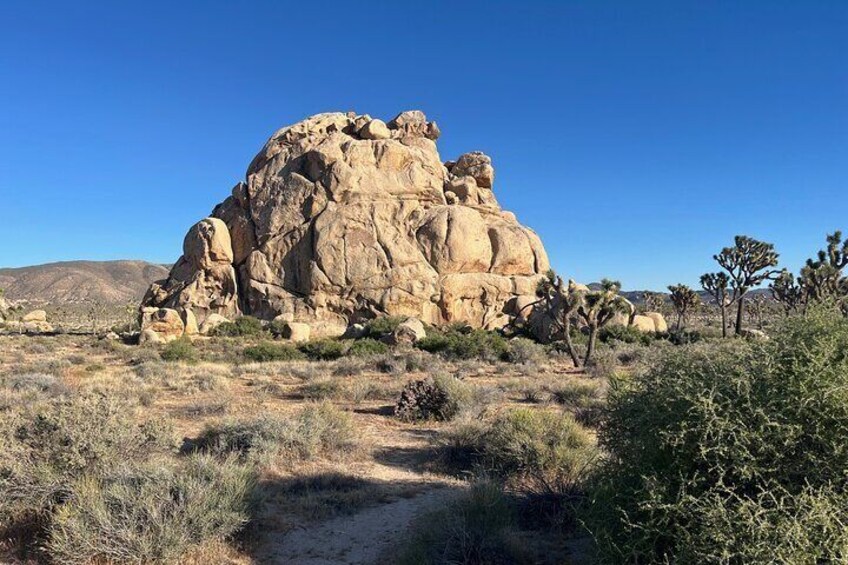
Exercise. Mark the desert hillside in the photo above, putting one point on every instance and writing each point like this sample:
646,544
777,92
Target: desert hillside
70,282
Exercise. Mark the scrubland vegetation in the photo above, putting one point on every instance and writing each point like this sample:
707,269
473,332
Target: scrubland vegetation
670,447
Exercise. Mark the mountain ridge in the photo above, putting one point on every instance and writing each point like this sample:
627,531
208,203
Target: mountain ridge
68,282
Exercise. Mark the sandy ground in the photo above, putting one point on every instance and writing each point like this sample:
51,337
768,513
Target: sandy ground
357,539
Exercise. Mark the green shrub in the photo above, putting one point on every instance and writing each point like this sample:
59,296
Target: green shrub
476,528
464,343
625,334
546,451
684,337
732,452
367,346
323,349
439,398
244,326
382,326
151,514
266,351
179,350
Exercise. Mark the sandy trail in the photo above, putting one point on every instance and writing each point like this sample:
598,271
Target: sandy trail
362,537
357,539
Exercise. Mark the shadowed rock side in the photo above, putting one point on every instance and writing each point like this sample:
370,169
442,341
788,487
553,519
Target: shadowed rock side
342,218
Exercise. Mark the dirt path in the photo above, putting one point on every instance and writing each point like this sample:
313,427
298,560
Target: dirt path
399,458
356,539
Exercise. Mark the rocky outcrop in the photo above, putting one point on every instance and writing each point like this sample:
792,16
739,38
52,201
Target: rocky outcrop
161,325
35,316
342,218
643,323
660,325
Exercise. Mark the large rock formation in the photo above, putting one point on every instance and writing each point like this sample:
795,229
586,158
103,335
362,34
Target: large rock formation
342,218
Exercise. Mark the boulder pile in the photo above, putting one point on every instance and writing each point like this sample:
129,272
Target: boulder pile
342,218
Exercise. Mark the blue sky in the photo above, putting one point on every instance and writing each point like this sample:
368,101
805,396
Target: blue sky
636,137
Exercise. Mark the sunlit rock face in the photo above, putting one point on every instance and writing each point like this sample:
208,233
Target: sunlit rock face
342,218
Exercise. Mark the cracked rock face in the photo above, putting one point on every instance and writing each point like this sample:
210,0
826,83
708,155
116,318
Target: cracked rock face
342,218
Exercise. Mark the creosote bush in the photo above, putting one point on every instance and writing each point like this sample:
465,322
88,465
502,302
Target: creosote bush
382,326
324,349
367,346
179,350
266,351
465,343
626,334
244,326
732,453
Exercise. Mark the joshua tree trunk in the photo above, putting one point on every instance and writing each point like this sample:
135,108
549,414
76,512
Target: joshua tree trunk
739,315
679,320
570,344
723,319
590,347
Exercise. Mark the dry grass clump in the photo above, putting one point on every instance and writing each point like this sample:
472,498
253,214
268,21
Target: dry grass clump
319,429
525,351
403,361
586,400
152,513
477,527
320,389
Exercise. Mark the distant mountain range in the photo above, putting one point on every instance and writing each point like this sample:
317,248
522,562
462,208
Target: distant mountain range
119,282
69,282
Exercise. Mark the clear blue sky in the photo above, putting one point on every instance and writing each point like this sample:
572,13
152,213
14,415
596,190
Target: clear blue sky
636,137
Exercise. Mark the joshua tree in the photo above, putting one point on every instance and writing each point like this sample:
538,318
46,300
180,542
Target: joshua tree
716,284
654,301
748,263
821,279
561,302
684,300
598,308
756,308
788,291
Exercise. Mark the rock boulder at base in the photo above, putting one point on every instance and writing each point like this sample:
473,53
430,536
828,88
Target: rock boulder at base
643,323
295,331
342,218
660,324
148,336
211,322
409,331
166,323
35,316
754,334
190,322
